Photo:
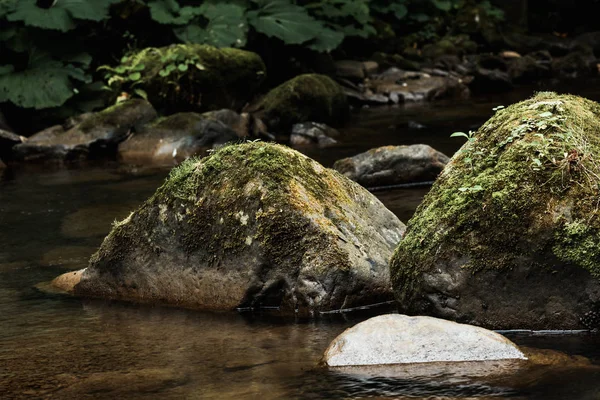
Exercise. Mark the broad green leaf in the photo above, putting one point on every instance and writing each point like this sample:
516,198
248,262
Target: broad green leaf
226,26
398,9
285,21
327,40
169,12
56,17
47,83
6,6
61,15
443,5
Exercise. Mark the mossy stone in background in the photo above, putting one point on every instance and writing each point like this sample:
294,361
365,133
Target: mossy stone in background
308,97
193,77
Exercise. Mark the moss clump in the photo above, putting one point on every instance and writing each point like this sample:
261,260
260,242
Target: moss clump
239,178
522,190
250,218
309,97
126,115
192,77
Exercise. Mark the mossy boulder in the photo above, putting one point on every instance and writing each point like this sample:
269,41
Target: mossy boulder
253,225
509,236
192,77
309,97
172,139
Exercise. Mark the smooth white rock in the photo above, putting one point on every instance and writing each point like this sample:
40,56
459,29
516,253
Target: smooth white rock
400,339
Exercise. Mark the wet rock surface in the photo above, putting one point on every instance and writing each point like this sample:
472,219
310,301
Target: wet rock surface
393,165
253,225
399,339
508,236
95,137
313,133
400,86
170,140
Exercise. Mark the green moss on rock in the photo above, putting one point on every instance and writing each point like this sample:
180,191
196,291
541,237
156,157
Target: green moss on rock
250,225
309,97
194,77
522,193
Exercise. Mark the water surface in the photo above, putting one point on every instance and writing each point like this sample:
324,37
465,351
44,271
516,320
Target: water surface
52,346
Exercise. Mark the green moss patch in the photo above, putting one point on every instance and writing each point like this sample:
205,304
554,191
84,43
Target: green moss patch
524,187
190,77
309,97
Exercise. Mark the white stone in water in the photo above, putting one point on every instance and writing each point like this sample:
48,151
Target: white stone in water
400,339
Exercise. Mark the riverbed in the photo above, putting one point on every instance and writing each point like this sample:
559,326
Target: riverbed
54,346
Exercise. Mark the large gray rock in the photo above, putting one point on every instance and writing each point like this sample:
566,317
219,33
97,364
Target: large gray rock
399,339
393,165
171,140
509,235
252,225
96,137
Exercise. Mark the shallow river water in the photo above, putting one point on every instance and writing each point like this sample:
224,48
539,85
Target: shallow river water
53,346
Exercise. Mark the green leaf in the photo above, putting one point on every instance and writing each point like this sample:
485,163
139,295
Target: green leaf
169,12
285,21
47,83
546,114
227,26
443,5
136,76
141,93
459,134
327,40
61,15
398,9
164,73
182,67
6,6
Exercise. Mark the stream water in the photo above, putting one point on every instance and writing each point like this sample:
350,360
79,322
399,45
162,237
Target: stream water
53,346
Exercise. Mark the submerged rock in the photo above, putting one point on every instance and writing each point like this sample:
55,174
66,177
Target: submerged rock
399,339
252,225
309,97
393,165
95,137
194,77
509,235
172,139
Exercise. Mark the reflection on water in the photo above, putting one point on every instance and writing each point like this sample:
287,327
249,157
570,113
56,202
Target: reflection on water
53,346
